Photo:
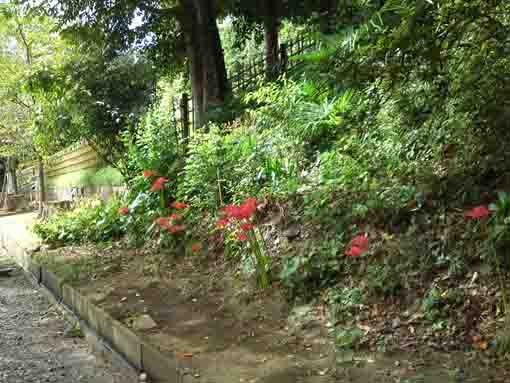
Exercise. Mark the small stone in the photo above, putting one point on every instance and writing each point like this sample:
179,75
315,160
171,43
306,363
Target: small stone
144,322
292,232
143,377
123,299
98,297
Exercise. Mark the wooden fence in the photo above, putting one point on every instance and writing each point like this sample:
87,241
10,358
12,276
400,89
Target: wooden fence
245,79
64,175
80,157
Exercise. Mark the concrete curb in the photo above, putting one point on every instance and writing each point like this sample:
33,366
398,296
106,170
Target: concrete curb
103,333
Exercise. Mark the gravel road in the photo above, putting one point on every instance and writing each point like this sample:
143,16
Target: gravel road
36,344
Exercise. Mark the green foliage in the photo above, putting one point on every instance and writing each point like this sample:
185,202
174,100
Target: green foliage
383,279
152,146
144,208
26,46
347,338
315,266
438,304
90,220
344,302
222,167
112,96
496,245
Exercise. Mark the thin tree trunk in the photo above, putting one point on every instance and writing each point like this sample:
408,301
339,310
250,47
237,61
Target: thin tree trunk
208,72
328,12
271,29
12,184
42,187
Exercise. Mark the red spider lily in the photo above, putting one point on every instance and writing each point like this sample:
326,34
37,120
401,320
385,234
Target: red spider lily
360,241
242,237
357,246
196,247
478,212
176,228
159,184
180,205
148,173
243,211
163,222
247,226
230,211
175,217
124,210
354,251
221,223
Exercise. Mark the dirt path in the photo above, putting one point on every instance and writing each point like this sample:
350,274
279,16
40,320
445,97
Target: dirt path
35,341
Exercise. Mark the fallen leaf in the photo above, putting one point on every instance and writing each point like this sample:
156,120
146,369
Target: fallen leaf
482,345
182,355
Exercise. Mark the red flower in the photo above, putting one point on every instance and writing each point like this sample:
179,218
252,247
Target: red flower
242,236
163,222
148,173
477,212
159,184
179,205
360,241
354,251
222,223
175,217
124,210
247,226
176,228
357,246
196,247
244,211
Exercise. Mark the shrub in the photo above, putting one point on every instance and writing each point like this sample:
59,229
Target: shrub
90,220
154,146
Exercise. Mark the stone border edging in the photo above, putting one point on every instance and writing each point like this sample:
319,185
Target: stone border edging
113,334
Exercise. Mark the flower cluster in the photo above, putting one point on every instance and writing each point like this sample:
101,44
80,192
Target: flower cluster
159,184
173,223
357,246
242,214
179,205
478,212
124,211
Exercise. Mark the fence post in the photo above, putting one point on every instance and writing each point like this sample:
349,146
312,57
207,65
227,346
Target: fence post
284,58
185,118
174,121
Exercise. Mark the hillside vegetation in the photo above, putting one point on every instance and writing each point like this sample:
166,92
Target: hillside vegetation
374,180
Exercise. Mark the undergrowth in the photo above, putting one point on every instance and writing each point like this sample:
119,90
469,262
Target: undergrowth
386,135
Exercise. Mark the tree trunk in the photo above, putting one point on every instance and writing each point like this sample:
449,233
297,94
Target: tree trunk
209,81
12,182
327,15
42,187
271,26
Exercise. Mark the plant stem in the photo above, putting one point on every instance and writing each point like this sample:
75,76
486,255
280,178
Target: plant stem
260,260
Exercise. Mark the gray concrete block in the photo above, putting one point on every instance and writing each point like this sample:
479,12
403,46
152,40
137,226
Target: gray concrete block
160,368
77,302
51,282
35,270
101,322
128,344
